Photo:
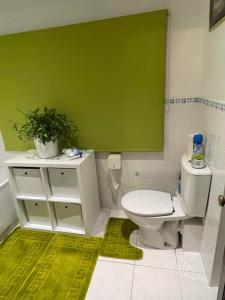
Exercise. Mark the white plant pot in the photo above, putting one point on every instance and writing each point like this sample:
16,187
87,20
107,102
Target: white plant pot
47,150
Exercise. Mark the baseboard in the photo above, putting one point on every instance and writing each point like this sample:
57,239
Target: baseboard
7,231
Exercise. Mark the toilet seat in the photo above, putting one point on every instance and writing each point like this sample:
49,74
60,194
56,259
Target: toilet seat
148,203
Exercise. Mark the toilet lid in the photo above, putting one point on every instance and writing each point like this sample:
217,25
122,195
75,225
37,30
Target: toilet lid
148,203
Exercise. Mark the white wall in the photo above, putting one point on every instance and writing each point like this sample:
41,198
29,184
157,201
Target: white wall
213,242
213,87
214,63
185,47
4,155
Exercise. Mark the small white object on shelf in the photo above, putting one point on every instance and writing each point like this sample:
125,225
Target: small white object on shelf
57,194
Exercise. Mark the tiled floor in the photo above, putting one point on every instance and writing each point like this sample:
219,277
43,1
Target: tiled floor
161,274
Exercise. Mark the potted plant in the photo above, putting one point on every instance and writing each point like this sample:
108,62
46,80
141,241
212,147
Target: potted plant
198,161
46,129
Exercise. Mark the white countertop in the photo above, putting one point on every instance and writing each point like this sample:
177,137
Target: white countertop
30,159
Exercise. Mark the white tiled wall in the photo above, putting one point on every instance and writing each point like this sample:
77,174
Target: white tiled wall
158,171
212,87
213,240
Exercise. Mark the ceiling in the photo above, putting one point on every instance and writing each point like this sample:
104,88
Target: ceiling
27,15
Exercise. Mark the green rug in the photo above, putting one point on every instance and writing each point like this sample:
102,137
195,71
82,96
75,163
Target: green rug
39,265
116,240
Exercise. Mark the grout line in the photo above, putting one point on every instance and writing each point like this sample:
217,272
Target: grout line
178,275
194,272
136,242
131,292
180,285
161,268
189,271
176,258
172,269
117,261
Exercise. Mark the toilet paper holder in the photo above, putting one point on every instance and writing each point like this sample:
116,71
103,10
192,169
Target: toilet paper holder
114,161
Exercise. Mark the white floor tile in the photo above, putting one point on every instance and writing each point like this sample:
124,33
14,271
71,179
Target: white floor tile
118,214
189,261
155,276
117,260
103,218
194,286
155,284
111,281
101,223
156,257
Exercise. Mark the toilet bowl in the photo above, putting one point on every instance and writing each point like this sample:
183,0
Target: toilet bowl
158,214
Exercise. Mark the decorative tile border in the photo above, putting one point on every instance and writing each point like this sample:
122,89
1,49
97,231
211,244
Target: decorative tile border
182,100
220,105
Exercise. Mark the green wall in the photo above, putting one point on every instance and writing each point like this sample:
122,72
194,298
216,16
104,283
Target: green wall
108,76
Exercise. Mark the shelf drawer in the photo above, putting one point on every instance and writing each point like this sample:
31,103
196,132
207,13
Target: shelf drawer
37,212
63,183
68,215
28,182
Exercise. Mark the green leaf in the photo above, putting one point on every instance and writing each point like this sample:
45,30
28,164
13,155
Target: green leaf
46,125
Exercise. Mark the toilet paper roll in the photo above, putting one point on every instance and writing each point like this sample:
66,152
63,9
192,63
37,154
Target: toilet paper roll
115,185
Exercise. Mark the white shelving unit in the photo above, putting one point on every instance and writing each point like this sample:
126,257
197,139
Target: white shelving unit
58,194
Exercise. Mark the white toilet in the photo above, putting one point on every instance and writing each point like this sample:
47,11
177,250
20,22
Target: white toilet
158,214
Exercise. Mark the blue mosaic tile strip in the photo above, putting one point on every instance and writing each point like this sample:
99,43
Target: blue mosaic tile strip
214,104
182,100
211,103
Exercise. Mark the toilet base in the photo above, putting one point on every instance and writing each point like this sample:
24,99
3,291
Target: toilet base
167,237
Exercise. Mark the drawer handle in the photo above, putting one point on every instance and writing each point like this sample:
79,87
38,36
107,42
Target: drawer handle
25,173
36,204
62,173
66,206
